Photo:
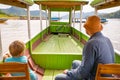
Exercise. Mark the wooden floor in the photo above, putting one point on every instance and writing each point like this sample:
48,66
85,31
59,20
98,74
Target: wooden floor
59,44
50,74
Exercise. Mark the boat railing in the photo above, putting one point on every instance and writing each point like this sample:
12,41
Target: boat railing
117,52
117,56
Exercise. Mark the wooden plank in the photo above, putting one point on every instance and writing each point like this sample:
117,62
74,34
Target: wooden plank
57,72
57,44
48,75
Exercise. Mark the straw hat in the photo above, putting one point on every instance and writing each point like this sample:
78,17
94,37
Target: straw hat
93,24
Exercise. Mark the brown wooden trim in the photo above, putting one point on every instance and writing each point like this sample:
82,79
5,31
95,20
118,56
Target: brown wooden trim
35,44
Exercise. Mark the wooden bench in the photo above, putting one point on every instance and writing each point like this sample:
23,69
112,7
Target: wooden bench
12,67
37,69
108,69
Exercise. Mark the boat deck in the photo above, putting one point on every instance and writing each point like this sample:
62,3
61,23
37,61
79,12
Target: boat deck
57,52
50,74
57,44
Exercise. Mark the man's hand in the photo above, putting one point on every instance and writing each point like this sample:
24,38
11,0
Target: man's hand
65,71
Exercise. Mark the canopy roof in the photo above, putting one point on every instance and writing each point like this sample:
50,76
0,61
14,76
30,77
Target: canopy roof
61,5
102,4
18,3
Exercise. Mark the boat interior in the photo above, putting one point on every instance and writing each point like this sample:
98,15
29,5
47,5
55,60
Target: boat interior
54,48
54,51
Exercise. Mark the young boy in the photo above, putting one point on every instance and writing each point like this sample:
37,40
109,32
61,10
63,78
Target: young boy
16,50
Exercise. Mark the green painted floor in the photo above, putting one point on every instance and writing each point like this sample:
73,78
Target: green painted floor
56,44
67,48
50,74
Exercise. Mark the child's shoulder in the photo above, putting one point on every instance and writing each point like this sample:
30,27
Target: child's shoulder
8,59
23,57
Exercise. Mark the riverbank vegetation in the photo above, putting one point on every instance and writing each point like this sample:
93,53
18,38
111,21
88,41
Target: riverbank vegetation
112,15
8,16
3,15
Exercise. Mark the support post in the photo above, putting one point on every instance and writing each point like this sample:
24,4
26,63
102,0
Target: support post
28,21
49,16
74,17
58,14
40,7
81,7
95,11
0,45
46,17
70,17
29,30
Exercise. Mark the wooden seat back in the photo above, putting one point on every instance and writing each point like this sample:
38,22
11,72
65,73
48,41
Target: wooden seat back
11,67
108,69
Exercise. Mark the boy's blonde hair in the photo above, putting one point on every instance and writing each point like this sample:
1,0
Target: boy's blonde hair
16,48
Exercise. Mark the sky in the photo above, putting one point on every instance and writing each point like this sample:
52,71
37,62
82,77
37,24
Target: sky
86,8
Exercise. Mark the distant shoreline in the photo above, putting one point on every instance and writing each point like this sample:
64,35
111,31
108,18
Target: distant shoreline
23,18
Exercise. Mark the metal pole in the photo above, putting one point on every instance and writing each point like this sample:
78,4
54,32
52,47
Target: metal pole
74,17
28,21
58,15
0,42
95,11
49,16
40,7
70,19
46,18
29,30
81,8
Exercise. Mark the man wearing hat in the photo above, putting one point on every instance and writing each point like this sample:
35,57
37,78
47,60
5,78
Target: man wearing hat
97,50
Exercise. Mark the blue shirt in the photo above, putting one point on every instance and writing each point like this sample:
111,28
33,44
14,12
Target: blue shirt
22,59
97,50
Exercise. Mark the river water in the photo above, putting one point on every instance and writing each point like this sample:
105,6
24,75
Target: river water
17,30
